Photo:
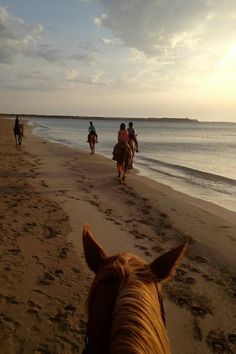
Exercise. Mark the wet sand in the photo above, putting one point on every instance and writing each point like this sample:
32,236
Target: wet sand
48,191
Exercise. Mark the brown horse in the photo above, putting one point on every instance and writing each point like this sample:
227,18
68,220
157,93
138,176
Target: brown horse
132,145
19,134
92,142
125,307
123,159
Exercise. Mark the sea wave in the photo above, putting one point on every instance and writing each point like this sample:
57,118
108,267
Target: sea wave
177,171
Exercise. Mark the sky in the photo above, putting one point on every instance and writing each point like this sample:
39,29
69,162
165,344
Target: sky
126,58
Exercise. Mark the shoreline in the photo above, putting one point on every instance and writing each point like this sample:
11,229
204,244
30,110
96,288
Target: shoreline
193,187
70,187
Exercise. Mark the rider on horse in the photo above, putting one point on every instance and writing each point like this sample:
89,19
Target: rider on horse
132,134
92,131
18,131
17,125
122,140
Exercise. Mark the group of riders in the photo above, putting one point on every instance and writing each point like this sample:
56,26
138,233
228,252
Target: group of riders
124,137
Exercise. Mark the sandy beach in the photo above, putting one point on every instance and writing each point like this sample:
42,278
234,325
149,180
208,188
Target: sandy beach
48,192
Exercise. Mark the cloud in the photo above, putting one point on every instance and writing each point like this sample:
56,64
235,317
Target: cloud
163,28
108,41
96,78
50,55
116,42
98,21
72,74
16,37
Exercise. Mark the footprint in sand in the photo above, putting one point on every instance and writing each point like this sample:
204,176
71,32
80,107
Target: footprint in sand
49,232
44,184
64,252
9,324
33,307
232,338
143,248
197,332
9,299
190,280
109,218
192,269
157,249
199,311
77,272
145,211
14,251
58,272
207,277
70,309
145,199
200,259
47,279
218,343
180,272
187,301
130,202
149,254
129,221
93,202
138,236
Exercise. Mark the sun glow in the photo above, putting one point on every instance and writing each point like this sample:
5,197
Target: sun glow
228,61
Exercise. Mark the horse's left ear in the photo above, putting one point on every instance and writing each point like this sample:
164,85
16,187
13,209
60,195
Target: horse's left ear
165,265
94,254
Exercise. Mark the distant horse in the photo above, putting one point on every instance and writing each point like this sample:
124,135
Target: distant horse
18,133
123,159
92,142
125,307
132,145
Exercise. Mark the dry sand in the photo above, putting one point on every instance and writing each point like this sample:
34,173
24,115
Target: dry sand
48,191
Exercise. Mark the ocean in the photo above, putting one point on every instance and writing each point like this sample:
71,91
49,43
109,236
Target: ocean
195,158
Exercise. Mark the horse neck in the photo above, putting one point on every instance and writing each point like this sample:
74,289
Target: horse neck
137,325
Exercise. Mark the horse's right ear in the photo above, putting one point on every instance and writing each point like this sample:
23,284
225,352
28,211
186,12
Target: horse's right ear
165,265
94,254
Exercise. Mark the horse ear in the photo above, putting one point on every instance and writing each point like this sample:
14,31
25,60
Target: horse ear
93,252
165,265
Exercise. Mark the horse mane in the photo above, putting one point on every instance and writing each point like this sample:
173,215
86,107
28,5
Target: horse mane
137,323
131,318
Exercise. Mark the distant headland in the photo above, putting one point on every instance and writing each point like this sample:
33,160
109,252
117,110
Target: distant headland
163,119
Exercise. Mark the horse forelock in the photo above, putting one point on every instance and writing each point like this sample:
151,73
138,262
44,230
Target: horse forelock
121,267
125,297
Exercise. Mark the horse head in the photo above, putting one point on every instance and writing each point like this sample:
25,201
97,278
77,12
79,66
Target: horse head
125,308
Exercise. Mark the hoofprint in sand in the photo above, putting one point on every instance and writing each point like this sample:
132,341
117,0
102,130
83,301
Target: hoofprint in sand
48,191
